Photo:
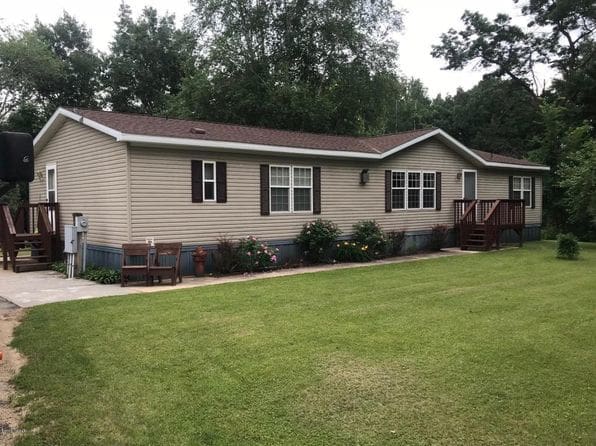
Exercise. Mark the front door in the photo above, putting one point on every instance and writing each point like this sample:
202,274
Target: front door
469,185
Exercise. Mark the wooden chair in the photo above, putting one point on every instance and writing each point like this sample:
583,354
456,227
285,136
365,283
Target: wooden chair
173,271
128,269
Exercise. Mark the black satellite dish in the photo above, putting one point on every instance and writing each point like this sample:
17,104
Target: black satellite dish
16,157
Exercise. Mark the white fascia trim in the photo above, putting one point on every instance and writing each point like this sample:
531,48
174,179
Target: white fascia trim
75,117
187,142
455,143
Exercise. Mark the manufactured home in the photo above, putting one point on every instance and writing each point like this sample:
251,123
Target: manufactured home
142,178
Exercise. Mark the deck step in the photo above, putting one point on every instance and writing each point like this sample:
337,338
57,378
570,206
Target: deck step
31,266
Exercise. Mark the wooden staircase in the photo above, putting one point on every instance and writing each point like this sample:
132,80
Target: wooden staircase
476,240
481,222
30,241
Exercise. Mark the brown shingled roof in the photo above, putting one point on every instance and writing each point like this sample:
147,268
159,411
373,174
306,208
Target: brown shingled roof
145,125
137,124
496,158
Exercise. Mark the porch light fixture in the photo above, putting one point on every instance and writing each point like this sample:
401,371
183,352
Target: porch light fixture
458,176
364,176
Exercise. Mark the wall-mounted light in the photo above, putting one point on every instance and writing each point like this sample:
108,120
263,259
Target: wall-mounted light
364,176
458,176
40,175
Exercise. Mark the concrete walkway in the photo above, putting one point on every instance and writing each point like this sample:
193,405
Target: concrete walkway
44,287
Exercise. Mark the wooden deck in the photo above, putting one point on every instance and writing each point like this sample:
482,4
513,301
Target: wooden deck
34,231
481,222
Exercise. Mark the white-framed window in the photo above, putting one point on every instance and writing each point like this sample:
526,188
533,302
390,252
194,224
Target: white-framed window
398,189
413,189
209,183
522,189
290,188
51,183
302,189
429,190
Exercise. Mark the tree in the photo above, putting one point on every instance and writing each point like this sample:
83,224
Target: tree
46,67
495,115
70,43
508,50
577,178
149,58
290,64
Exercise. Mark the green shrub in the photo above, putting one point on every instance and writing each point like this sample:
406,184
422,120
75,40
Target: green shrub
549,233
395,242
59,267
412,249
225,258
438,236
101,274
567,246
369,233
317,238
254,255
352,251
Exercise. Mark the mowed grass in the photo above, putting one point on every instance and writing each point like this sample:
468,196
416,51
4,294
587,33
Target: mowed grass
493,348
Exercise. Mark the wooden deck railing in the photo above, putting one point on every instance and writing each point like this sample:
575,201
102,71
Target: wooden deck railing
39,221
7,234
493,215
27,217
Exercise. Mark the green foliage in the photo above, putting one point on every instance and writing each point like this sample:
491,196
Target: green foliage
254,255
368,233
101,274
353,251
225,258
59,267
396,241
316,238
438,236
149,58
45,67
495,115
512,51
567,246
577,178
317,66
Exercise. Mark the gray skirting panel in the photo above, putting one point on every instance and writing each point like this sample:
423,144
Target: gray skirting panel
288,251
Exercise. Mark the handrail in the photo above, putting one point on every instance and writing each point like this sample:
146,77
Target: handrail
7,219
7,234
471,207
492,212
45,229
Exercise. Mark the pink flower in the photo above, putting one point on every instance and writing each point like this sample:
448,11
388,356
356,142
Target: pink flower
249,253
274,258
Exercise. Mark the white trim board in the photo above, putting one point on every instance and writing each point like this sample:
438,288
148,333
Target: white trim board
147,140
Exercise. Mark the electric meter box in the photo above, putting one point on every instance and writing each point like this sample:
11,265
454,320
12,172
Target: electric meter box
70,239
82,223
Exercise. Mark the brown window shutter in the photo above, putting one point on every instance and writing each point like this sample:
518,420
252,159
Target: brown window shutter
387,191
316,190
438,190
511,188
222,181
533,193
196,169
264,189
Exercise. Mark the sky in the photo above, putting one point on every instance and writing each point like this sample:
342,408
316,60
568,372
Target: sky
424,22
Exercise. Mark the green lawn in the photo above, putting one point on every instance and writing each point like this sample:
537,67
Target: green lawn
494,348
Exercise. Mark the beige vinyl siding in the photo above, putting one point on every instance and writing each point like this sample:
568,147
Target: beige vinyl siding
161,207
91,172
495,184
